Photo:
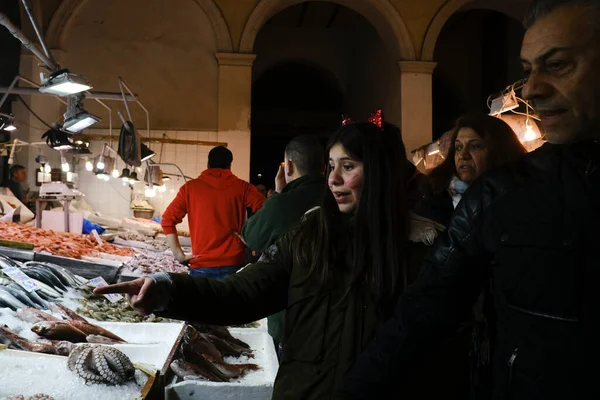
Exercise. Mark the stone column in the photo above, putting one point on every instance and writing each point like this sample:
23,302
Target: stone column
235,85
416,93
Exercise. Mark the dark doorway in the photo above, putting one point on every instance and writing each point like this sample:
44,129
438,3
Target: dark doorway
290,99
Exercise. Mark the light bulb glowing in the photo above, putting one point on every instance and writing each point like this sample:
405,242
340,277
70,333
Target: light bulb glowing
150,192
162,188
115,173
42,169
529,132
66,167
47,168
125,179
106,178
100,163
89,166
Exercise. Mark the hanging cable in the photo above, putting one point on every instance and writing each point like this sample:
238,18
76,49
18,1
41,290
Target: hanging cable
33,112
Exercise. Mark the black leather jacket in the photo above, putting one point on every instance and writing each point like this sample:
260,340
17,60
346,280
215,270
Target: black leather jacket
533,228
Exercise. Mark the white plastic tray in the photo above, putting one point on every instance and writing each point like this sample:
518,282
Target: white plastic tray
28,373
256,385
147,342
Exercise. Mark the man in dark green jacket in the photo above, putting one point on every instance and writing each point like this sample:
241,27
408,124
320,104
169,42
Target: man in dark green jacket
299,186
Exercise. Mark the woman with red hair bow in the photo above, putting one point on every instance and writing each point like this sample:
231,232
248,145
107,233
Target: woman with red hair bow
338,274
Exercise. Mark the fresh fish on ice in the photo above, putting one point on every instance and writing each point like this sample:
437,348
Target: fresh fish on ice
34,316
59,330
10,300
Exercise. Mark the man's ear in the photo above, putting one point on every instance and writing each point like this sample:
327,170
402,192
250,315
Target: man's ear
291,168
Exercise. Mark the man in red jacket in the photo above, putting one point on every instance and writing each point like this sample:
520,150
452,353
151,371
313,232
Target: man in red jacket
216,204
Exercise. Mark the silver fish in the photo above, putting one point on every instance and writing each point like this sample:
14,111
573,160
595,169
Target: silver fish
22,297
10,300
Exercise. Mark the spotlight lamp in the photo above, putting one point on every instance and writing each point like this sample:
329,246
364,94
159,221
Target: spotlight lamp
76,117
7,122
64,83
58,139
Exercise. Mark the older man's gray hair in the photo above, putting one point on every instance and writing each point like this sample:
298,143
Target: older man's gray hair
541,8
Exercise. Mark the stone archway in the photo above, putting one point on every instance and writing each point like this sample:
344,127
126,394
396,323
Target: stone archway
381,14
68,10
451,7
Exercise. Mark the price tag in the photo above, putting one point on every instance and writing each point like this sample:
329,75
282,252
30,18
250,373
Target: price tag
23,280
100,282
97,237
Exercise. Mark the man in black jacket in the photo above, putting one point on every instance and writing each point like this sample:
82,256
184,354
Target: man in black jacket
532,227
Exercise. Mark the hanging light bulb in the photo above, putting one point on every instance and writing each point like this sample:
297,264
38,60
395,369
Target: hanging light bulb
89,166
47,168
150,192
42,168
100,163
529,132
64,164
115,173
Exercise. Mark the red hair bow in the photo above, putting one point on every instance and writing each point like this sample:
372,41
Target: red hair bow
376,118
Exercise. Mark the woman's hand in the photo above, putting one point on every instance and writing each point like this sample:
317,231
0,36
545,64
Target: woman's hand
143,294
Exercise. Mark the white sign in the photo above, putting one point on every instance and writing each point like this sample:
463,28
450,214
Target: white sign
95,234
23,280
100,282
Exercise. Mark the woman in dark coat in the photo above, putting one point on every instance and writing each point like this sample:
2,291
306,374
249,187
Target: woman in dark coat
478,143
338,275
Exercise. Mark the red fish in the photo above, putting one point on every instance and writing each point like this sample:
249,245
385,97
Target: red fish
59,330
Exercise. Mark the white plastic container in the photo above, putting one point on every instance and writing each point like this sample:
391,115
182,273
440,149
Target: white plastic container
55,220
256,385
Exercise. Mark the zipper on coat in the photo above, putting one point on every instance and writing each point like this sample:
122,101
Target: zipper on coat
510,363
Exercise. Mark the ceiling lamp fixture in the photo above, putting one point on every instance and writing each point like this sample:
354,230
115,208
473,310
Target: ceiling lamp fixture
133,178
58,139
7,122
64,164
147,153
80,147
125,175
64,83
76,117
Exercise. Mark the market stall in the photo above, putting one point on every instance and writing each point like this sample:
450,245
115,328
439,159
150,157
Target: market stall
50,319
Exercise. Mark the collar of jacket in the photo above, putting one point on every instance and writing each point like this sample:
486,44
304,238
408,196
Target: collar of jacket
585,155
303,180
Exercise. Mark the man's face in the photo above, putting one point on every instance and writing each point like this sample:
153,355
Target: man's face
20,175
561,56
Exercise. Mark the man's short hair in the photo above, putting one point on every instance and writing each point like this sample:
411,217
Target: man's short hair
541,8
307,153
14,169
220,157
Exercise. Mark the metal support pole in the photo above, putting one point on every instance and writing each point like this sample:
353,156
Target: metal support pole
120,81
67,225
36,29
51,65
90,95
171,165
137,100
103,104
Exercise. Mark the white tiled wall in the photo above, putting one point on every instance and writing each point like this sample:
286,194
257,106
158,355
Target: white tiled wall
113,199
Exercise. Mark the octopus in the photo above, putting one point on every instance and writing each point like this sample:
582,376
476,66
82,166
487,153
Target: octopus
101,364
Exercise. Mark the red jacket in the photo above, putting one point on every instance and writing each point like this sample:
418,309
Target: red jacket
216,204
